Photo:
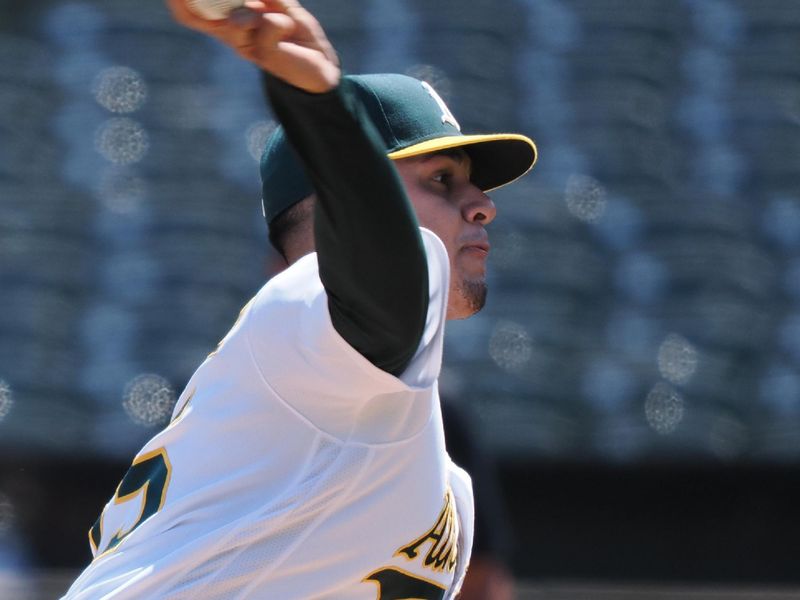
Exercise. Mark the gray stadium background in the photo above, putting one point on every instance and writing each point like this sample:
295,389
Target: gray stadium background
645,287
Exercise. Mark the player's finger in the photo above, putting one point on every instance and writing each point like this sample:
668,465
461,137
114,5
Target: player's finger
261,41
283,6
255,5
275,5
244,17
248,15
274,28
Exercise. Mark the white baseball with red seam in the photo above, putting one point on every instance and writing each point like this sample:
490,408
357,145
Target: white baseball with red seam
214,10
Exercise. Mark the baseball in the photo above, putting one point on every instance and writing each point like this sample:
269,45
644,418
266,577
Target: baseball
214,10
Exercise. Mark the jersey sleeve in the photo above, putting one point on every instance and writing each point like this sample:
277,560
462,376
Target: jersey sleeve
370,255
303,359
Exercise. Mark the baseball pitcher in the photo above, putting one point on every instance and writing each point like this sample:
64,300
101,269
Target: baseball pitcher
305,459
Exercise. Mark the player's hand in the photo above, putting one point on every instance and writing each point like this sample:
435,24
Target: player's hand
279,36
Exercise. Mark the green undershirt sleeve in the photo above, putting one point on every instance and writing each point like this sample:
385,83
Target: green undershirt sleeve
370,252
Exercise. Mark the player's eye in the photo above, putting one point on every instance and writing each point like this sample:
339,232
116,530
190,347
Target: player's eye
442,177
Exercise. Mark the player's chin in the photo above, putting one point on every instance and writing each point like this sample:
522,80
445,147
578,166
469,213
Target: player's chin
470,297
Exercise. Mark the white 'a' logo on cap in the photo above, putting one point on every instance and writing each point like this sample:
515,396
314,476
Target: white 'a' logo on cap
447,116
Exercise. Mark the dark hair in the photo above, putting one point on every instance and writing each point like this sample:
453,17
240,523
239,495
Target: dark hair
289,221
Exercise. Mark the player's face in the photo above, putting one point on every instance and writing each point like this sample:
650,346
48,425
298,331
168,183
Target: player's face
447,203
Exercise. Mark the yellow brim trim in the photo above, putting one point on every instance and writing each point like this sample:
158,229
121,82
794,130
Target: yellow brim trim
455,141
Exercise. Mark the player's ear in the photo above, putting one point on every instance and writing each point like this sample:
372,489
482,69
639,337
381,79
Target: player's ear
296,224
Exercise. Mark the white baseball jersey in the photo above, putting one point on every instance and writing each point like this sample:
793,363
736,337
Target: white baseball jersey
294,468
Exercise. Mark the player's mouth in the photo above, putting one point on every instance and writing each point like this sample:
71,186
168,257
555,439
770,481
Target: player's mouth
478,249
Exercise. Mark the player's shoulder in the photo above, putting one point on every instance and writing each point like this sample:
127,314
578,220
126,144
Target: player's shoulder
297,282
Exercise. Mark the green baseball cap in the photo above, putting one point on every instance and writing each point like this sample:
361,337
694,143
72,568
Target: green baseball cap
412,119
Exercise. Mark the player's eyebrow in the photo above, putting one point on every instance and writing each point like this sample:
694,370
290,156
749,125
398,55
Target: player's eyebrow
457,154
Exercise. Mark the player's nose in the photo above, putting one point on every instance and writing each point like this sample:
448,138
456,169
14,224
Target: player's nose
478,207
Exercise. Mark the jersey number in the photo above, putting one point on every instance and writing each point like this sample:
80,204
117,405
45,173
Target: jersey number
394,584
147,479
150,475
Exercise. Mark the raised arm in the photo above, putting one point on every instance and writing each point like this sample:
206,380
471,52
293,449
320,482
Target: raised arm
370,253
